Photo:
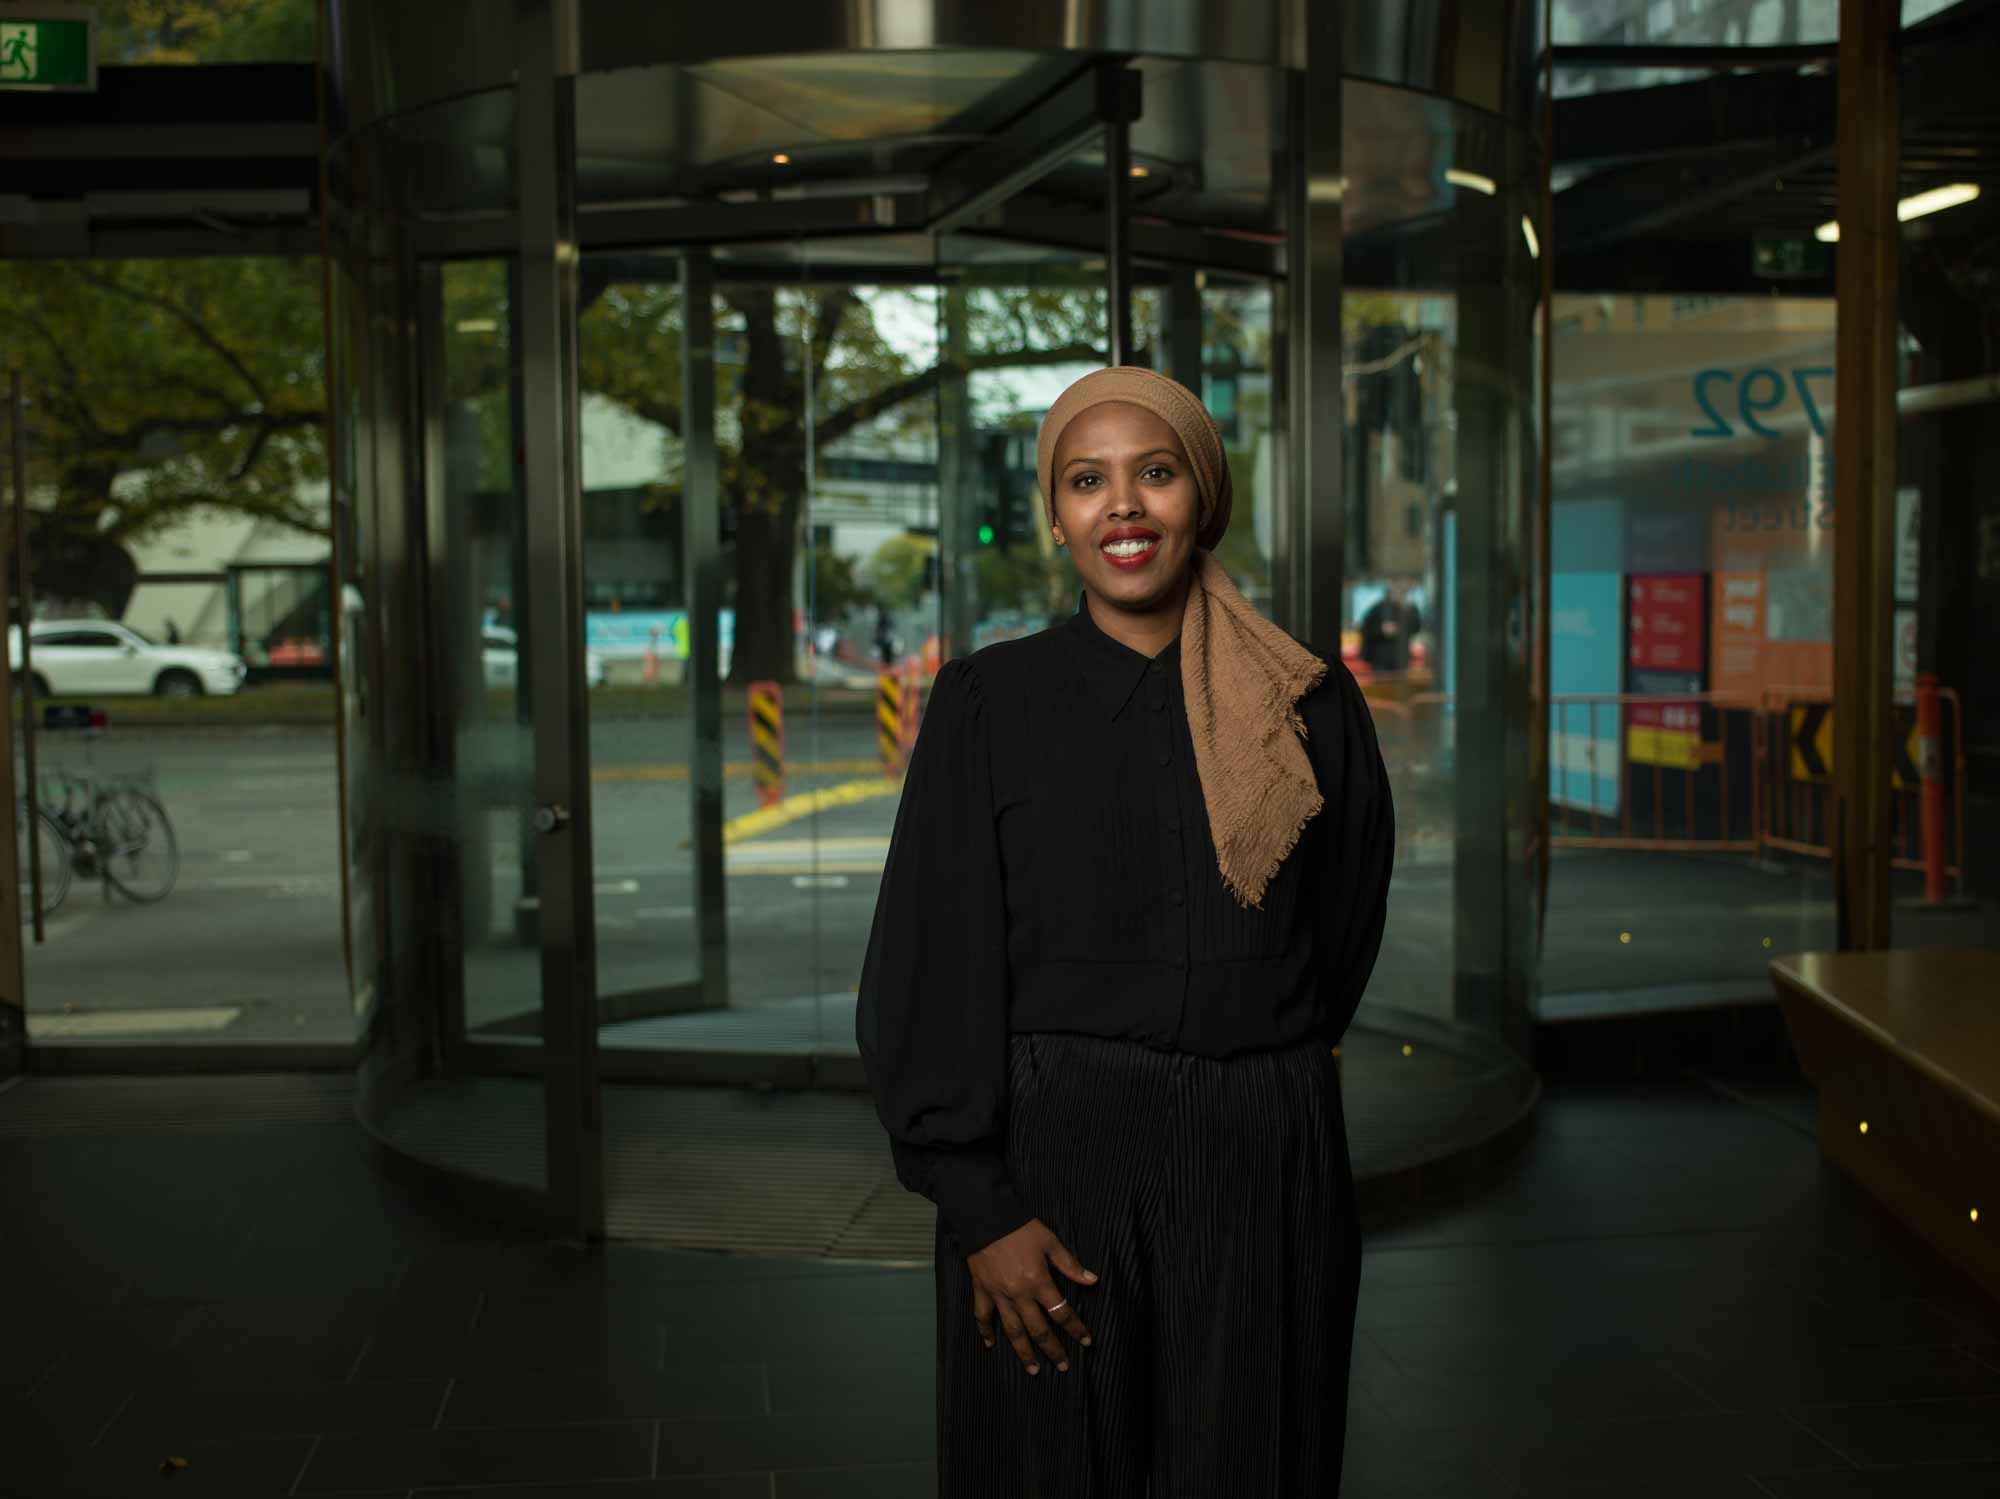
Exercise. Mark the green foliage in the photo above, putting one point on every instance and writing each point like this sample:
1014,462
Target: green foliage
159,389
894,575
869,356
205,31
477,375
1021,577
837,585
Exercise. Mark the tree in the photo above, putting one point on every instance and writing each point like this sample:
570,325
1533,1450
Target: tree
895,573
837,590
207,31
160,389
778,337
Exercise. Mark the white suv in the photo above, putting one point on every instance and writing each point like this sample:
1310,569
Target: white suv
94,657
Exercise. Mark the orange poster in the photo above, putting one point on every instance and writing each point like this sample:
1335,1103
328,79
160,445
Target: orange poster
1771,608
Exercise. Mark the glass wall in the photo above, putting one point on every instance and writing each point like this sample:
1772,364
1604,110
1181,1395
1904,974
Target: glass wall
1691,641
188,786
805,429
1695,527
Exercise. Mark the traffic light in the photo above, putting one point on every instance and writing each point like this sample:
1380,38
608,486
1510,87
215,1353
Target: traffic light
988,529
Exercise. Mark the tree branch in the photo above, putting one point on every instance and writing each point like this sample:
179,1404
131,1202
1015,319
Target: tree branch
185,318
266,429
832,428
69,369
832,308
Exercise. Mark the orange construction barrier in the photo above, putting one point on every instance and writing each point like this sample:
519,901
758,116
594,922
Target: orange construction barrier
767,742
1677,746
889,720
1795,769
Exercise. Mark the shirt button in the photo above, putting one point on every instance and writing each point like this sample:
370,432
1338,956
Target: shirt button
1155,667
1173,824
1165,758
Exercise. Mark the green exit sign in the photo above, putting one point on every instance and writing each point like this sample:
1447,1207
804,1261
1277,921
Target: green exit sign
47,48
1790,258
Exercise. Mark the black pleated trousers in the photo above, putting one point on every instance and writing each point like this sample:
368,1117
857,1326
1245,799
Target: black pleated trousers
1215,1202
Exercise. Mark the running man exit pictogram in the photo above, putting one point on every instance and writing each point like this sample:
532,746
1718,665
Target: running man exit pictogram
20,47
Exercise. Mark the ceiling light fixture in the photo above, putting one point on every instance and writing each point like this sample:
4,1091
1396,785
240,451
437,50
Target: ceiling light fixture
1528,233
1478,182
781,159
1141,171
1913,207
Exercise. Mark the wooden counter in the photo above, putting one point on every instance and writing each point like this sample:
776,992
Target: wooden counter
1908,1043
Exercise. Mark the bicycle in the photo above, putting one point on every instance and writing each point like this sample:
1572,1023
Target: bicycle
113,830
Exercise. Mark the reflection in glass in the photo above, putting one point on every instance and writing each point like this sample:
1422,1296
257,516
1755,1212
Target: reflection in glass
636,639
1692,550
173,438
484,615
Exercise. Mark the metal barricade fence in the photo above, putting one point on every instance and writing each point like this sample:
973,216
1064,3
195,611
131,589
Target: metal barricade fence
1700,772
1653,771
1797,726
1678,772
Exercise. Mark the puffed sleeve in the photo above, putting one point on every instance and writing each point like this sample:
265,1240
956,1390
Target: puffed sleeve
1356,849
931,1014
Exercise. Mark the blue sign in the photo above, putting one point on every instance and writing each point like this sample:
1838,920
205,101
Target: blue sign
633,632
1586,653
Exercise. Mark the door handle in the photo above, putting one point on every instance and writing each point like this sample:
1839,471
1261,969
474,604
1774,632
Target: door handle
551,817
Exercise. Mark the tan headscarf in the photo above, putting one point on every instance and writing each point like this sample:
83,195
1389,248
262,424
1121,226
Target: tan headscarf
1242,675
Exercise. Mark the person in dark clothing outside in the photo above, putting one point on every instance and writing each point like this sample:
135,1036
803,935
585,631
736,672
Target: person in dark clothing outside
885,636
1135,890
1388,628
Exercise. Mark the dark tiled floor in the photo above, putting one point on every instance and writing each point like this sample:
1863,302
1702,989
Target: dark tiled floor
1667,1295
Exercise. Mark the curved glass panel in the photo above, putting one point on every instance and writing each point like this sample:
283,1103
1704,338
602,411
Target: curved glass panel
1439,472
805,433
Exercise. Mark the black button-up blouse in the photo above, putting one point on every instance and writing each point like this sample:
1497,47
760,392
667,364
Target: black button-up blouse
1051,870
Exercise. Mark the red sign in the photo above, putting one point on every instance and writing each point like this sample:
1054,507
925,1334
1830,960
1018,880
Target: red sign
1666,623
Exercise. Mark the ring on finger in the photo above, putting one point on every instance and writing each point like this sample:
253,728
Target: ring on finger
1058,1306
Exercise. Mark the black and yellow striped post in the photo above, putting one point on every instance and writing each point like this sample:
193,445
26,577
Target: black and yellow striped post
889,721
767,742
913,707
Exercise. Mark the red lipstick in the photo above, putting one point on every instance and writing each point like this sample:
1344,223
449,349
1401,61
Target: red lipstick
1133,558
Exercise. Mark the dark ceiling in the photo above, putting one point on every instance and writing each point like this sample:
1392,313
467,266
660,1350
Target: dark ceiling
1667,188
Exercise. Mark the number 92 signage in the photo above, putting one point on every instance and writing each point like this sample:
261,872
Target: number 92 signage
1758,394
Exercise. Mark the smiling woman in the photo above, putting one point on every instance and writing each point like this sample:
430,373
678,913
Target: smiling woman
1135,890
1125,491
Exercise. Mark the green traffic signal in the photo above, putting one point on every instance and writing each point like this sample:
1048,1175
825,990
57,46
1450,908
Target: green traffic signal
986,536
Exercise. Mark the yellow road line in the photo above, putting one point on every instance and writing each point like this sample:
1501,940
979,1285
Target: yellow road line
731,770
805,804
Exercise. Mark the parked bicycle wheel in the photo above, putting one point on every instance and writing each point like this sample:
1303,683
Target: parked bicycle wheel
136,842
32,822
